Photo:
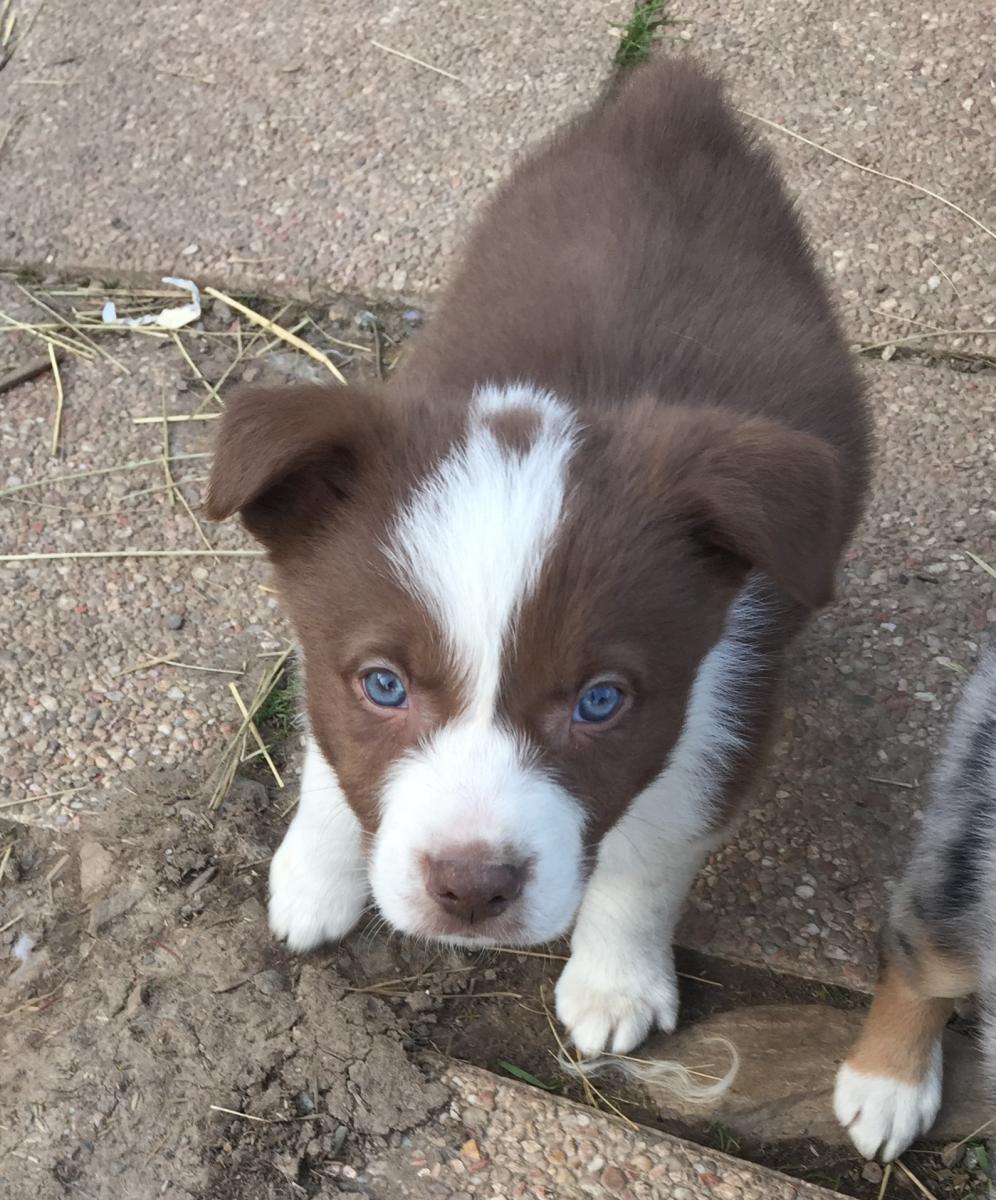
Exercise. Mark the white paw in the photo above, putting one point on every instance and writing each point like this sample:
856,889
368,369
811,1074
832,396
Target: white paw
883,1115
606,1006
314,902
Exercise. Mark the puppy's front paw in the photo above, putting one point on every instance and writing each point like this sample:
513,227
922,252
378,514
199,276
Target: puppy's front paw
313,901
883,1115
608,1006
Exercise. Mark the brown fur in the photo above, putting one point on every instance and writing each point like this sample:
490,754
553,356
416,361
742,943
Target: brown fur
645,266
901,1029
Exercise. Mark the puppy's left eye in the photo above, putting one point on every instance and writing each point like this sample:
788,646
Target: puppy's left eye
385,689
600,702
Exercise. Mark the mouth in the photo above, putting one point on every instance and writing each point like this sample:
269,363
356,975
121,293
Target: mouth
505,930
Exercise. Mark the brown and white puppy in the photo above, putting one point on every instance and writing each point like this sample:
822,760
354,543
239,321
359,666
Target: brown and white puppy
543,580
939,943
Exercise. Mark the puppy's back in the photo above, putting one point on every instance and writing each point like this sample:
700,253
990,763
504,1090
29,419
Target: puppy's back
649,247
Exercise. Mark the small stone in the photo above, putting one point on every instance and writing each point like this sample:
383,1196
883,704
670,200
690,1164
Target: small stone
613,1180
96,865
135,1000
269,983
642,1162
805,892
411,316
304,1103
190,250
471,1151
174,620
952,1154
871,1172
420,1002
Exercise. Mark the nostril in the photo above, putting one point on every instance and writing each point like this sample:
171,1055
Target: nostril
470,885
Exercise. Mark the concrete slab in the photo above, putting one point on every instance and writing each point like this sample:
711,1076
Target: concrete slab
530,1144
903,88
803,886
262,153
781,1096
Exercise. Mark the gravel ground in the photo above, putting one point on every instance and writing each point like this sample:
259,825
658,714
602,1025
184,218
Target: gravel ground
300,156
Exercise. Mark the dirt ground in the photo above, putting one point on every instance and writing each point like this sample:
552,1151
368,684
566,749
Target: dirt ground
156,1041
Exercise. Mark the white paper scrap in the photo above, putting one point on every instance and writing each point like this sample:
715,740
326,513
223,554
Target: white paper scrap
169,318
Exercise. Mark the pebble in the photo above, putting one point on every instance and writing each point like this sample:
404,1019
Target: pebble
269,983
420,1002
805,892
174,620
952,1153
613,1180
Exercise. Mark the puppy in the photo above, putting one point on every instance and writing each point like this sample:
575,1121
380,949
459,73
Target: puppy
542,582
939,943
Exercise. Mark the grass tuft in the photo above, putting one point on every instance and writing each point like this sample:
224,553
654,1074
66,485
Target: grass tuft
637,36
280,708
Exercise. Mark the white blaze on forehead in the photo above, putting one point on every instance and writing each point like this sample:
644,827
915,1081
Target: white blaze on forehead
472,541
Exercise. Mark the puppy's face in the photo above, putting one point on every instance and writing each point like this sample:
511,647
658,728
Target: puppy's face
502,608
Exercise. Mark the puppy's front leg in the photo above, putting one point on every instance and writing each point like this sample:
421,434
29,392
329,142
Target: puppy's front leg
888,1092
619,982
318,877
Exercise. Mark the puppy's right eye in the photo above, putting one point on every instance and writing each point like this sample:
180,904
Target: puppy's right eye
599,703
385,689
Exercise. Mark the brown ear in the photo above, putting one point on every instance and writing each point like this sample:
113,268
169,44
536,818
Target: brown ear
284,458
771,497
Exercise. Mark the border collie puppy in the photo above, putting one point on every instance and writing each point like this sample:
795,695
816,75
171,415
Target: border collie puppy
543,580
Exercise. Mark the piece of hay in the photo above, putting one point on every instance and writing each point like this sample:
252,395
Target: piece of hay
290,338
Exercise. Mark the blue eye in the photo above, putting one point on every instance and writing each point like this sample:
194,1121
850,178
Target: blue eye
598,703
385,689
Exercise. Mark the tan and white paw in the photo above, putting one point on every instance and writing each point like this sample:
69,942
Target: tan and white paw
314,900
606,1007
882,1114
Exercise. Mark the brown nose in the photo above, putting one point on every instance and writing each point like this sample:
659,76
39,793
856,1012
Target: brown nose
470,887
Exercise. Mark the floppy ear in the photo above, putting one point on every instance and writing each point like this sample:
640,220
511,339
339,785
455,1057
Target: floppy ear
770,497
285,458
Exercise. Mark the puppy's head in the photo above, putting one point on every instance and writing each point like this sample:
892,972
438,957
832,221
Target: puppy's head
502,607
